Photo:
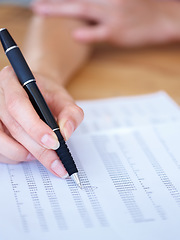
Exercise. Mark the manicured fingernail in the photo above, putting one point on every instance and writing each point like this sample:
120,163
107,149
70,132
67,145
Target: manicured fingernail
68,129
58,168
50,141
30,157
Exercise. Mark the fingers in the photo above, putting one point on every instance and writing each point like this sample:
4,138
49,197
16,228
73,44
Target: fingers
26,149
69,119
92,34
22,147
83,10
46,156
11,151
18,105
69,115
27,129
3,159
78,9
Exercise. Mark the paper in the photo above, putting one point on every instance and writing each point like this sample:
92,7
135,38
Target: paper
128,112
131,179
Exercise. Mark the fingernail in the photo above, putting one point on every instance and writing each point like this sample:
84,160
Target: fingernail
50,141
58,168
68,129
30,157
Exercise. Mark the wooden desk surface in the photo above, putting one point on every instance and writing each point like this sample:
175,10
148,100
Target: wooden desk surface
111,71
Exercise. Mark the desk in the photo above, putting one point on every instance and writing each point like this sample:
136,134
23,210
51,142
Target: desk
111,71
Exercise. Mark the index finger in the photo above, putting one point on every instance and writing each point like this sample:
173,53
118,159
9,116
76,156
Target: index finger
21,109
78,9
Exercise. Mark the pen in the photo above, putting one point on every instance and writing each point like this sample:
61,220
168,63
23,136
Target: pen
28,81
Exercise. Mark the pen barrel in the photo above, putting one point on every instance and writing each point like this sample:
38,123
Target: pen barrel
20,66
65,155
27,79
6,39
40,105
45,114
15,57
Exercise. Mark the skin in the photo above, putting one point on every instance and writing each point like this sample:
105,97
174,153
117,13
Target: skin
125,23
56,56
23,135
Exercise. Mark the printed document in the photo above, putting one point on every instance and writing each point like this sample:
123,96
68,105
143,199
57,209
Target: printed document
128,155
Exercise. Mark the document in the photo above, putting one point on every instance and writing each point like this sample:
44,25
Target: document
125,112
130,176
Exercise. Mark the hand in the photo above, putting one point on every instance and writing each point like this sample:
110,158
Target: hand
23,135
119,22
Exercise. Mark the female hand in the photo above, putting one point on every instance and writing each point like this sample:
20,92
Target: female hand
23,135
119,22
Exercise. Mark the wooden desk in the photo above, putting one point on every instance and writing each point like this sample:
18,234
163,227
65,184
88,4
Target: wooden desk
112,72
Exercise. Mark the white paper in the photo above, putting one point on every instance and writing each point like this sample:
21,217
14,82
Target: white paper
122,112
131,180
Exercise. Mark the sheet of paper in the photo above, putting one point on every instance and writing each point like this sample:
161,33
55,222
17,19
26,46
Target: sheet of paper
128,112
131,188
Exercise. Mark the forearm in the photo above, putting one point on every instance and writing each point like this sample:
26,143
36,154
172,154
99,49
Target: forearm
51,50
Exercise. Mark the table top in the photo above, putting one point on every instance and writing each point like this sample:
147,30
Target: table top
111,71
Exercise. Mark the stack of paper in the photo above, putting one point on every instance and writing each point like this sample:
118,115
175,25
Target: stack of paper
128,154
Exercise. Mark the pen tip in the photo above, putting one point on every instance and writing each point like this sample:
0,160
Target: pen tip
76,179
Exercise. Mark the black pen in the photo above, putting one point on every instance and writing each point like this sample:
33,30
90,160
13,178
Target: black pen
28,81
